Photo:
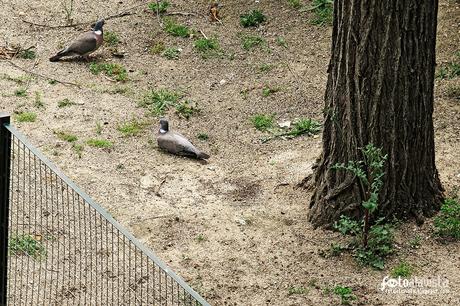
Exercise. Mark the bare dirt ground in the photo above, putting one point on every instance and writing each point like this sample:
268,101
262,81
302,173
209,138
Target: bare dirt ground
236,229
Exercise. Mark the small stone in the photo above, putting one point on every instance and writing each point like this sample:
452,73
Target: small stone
146,182
211,168
222,82
241,222
285,124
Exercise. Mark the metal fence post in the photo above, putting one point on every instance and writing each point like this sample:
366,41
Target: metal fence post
5,160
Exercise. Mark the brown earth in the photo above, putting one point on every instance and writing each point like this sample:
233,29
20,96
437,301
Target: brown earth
236,229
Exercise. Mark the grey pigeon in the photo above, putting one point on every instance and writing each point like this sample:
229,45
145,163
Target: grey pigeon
176,143
85,44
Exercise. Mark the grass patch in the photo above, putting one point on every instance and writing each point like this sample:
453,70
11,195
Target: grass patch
201,238
159,7
280,41
415,242
252,19
296,4
26,245
267,91
403,269
171,53
157,48
78,148
66,136
175,29
115,71
26,117
21,92
38,102
27,54
266,67
345,293
131,128
303,126
99,143
263,122
451,69
65,102
447,222
322,10
251,41
159,101
297,290
111,38
207,46
202,136
186,109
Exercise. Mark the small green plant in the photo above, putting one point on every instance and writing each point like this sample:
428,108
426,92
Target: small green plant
345,293
171,53
202,136
186,109
131,128
99,143
21,92
98,128
322,10
300,127
453,92
280,41
116,71
157,48
295,3
26,245
159,7
52,82
447,222
27,54
442,73
111,38
65,102
78,148
263,122
297,290
207,47
201,238
66,136
252,41
415,242
267,91
158,101
403,269
175,29
265,67
26,117
38,102
252,19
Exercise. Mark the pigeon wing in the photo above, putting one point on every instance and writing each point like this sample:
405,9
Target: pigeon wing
84,44
177,144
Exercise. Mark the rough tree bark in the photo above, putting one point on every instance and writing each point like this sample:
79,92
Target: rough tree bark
380,91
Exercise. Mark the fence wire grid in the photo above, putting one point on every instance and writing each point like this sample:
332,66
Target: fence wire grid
64,249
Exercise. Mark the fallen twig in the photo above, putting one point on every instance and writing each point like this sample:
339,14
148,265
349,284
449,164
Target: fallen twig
204,35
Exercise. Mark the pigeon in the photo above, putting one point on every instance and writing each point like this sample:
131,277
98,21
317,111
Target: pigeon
85,44
176,143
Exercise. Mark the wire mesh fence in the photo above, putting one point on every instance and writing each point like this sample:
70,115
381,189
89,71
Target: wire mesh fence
64,249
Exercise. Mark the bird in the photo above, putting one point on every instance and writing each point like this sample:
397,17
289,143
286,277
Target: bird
85,44
176,143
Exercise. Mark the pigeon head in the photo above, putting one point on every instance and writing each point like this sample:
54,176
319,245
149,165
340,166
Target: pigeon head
164,126
98,25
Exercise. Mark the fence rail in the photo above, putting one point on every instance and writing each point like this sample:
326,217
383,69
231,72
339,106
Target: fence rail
61,248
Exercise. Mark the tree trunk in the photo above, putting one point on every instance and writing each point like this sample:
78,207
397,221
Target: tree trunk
380,91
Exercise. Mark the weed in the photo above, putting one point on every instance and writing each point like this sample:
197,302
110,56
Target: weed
176,29
207,47
403,269
252,19
27,245
158,101
297,290
27,54
322,9
26,117
295,3
65,102
345,293
265,67
280,41
267,91
98,128
99,143
68,9
447,222
336,249
415,242
202,136
200,238
131,128
442,73
66,136
116,71
78,148
453,92
251,41
301,127
186,109
38,102
263,122
171,53
159,7
52,82
111,38
21,92
157,48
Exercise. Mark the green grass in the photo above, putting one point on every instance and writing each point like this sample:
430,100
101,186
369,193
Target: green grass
78,148
27,54
251,41
66,136
157,101
403,269
111,38
252,19
38,102
415,242
266,67
131,128
453,92
207,46
65,102
263,122
280,41
157,48
160,7
175,29
171,53
21,92
99,143
113,70
297,290
447,222
345,293
26,245
295,3
26,117
202,136
201,238
322,11
267,91
186,109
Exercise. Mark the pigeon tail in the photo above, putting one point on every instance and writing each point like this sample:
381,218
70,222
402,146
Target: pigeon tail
58,56
203,155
